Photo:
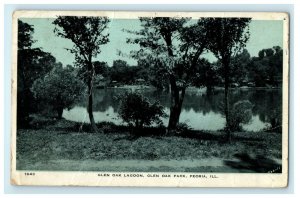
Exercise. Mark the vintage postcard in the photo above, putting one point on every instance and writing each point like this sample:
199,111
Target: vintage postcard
168,99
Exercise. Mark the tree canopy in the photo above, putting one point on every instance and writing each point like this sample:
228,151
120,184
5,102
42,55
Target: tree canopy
60,88
174,44
87,35
32,64
25,32
266,69
227,36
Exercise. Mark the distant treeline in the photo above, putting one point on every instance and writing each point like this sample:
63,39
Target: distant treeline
258,71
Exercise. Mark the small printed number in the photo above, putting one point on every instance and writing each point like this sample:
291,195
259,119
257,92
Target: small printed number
29,174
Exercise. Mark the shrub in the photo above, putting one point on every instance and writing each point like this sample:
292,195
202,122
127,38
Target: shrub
274,120
182,128
276,117
240,113
60,89
138,111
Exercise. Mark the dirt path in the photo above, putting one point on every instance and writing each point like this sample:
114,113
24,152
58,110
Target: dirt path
205,165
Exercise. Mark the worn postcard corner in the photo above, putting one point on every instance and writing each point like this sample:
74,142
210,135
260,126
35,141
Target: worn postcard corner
169,99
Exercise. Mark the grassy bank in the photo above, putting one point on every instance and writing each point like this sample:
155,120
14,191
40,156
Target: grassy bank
60,145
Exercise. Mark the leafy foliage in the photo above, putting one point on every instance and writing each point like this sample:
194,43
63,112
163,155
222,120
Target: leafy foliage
182,128
32,64
240,113
156,35
275,120
227,36
238,65
137,110
122,72
154,72
158,77
60,88
207,74
157,40
194,41
25,32
100,68
267,67
87,35
175,45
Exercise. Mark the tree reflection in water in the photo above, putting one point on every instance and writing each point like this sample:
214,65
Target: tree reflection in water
197,105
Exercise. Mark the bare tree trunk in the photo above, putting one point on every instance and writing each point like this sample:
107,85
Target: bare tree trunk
226,103
59,111
177,96
90,103
226,97
177,93
209,90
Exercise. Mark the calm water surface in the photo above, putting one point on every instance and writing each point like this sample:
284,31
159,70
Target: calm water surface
199,111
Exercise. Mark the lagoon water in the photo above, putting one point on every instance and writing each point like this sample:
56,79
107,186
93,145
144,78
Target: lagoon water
200,110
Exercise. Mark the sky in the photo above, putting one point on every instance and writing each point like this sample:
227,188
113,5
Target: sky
263,34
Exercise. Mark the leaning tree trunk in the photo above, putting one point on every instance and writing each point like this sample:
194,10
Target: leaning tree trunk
226,63
90,103
209,90
177,93
59,111
177,96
